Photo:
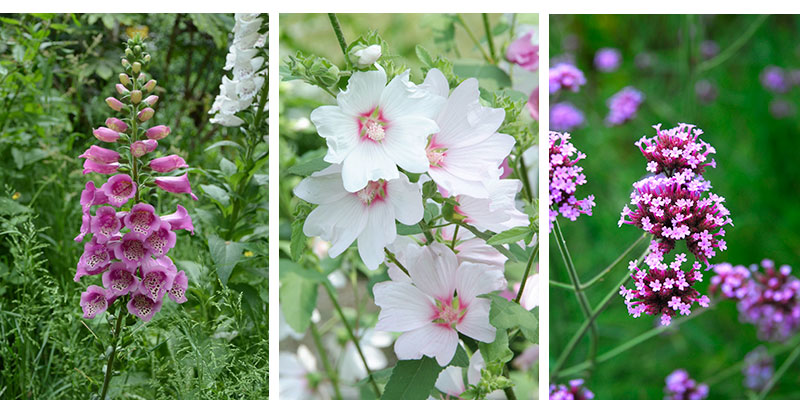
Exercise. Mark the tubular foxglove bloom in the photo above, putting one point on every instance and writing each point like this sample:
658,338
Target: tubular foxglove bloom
176,184
95,259
93,166
565,117
158,132
157,278
524,52
772,302
575,391
180,219
100,155
131,249
105,224
565,76
607,59
467,150
681,387
142,219
168,163
375,127
116,125
436,302
367,215
93,301
161,240
115,104
107,135
623,105
565,177
91,196
120,279
142,306
119,189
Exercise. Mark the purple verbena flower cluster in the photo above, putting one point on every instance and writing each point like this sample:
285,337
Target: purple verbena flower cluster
565,177
607,59
665,289
623,105
677,149
564,117
575,391
129,246
567,77
731,281
774,79
772,302
758,368
681,387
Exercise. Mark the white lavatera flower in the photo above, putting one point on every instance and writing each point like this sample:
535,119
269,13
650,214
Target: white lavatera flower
451,379
435,302
498,212
367,215
294,376
368,55
467,150
530,294
375,127
351,367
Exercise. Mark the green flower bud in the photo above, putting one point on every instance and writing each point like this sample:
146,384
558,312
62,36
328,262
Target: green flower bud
136,67
136,96
150,85
124,79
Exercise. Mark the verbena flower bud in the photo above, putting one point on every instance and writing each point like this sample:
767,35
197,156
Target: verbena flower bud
146,114
115,104
136,96
158,132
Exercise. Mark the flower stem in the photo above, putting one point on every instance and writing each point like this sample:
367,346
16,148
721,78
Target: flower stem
353,337
337,29
325,362
736,368
489,39
527,272
504,251
393,259
474,39
614,263
110,364
733,48
779,373
509,391
455,235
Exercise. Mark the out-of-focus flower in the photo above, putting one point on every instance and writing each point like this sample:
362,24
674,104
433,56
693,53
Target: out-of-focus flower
565,117
567,77
758,368
565,177
623,105
705,91
533,104
527,359
607,59
351,367
774,79
575,391
732,282
681,387
780,108
709,49
524,52
772,302
296,376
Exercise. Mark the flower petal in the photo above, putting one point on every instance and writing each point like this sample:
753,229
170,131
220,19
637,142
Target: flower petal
433,271
322,187
403,307
475,323
364,89
473,280
431,340
405,142
406,199
339,222
402,98
379,232
340,131
367,162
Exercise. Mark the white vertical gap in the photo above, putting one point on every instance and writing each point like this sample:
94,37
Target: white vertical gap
544,211
274,174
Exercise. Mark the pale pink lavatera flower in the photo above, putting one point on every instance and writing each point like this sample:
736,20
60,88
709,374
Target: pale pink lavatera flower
119,280
530,295
180,219
105,224
90,165
473,249
167,163
119,189
176,184
533,104
100,155
467,150
95,259
93,301
375,127
497,213
142,219
142,306
523,52
367,215
107,135
131,249
437,302
451,380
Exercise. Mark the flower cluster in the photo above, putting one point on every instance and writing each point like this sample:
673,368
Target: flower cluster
129,246
758,368
249,71
575,391
565,76
731,281
565,117
675,150
772,302
607,59
565,177
623,105
377,128
681,387
665,289
774,79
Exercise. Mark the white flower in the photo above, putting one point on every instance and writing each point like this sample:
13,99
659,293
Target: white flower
497,213
367,215
531,159
294,373
351,367
473,249
368,56
375,127
424,308
530,295
451,380
467,151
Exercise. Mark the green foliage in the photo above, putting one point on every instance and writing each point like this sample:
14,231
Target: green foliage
412,379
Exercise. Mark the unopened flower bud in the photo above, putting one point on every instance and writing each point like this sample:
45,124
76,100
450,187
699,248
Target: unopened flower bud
136,67
158,132
124,79
121,89
141,78
136,96
128,52
137,49
115,104
142,147
104,134
116,124
151,100
147,58
150,85
366,56
125,63
145,114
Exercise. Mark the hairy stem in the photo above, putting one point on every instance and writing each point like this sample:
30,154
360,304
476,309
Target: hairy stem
337,29
110,364
393,259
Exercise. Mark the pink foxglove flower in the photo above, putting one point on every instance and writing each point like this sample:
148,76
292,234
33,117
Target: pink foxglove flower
115,104
93,301
145,114
375,127
100,168
104,134
142,219
180,219
524,52
95,259
157,277
116,125
131,249
161,240
367,215
177,292
158,132
142,147
100,155
438,301
119,189
142,306
176,184
467,150
91,196
119,280
105,224
167,163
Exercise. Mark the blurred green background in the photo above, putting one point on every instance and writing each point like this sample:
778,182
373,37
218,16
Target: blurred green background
756,172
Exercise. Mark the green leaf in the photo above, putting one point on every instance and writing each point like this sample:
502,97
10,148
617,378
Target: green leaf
227,167
424,56
225,256
497,350
223,143
405,230
299,239
505,314
491,77
512,235
308,167
298,298
10,207
218,194
412,379
460,359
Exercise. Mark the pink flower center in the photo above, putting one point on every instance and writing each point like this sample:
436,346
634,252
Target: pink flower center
133,250
122,280
142,220
436,157
157,242
153,282
375,190
374,130
372,126
98,258
98,303
449,314
143,304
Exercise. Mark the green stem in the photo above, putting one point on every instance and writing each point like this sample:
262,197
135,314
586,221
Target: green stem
734,47
779,373
352,336
613,264
323,355
337,29
509,391
504,251
562,285
110,364
393,259
736,368
527,272
455,235
489,39
474,39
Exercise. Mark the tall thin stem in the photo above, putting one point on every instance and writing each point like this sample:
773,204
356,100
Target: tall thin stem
734,47
489,39
527,272
779,373
110,364
337,29
613,264
474,39
325,362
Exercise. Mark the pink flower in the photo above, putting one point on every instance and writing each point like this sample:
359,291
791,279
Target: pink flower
100,155
119,189
533,104
151,100
161,240
116,124
95,259
121,89
524,53
143,307
90,196
93,301
158,132
425,309
104,134
131,250
180,219
145,114
176,184
142,219
115,104
178,290
168,163
105,224
157,277
142,147
93,166
498,212
119,280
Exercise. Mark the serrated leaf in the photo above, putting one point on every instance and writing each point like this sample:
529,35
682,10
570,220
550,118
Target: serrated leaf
308,167
298,298
497,350
512,235
225,256
412,379
299,239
